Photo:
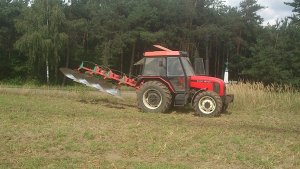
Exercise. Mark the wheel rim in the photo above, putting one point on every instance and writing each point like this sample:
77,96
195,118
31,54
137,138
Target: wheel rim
207,105
152,99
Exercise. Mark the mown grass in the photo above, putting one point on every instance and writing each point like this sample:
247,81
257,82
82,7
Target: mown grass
43,128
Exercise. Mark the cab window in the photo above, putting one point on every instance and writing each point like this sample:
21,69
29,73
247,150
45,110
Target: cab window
174,67
155,67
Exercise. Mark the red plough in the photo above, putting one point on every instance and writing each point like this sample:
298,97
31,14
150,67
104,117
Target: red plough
106,73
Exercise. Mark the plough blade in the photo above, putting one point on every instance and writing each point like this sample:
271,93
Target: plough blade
91,81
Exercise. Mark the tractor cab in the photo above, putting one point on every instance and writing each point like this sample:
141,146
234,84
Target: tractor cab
173,68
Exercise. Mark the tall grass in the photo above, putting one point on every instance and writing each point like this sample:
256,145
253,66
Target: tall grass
257,97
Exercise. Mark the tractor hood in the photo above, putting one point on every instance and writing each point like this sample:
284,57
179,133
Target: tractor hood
208,83
206,79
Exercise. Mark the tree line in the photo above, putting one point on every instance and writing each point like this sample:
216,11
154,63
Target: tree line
38,37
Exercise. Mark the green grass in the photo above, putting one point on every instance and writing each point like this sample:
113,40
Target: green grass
43,128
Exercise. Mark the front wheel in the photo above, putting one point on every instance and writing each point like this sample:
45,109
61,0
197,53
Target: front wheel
208,104
154,96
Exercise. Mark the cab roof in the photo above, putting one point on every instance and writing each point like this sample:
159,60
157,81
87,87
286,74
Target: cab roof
164,52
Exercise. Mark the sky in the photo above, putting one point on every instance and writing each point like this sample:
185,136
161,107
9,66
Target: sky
274,9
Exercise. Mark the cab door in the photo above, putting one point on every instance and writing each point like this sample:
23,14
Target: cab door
177,78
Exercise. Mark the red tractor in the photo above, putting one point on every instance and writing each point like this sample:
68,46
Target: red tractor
167,80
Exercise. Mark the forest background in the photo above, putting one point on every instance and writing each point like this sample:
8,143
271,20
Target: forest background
49,34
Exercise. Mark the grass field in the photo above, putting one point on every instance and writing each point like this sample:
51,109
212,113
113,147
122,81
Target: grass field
44,128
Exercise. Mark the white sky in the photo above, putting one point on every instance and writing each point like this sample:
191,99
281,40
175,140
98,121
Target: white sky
274,9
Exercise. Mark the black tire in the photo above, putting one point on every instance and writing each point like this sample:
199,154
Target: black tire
224,109
208,104
154,97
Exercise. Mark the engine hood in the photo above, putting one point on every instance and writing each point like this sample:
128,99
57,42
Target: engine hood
206,79
208,83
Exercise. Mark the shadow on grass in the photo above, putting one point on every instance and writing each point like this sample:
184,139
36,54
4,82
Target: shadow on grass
182,110
123,104
110,103
189,110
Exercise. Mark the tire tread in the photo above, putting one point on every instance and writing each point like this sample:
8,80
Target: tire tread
216,97
166,94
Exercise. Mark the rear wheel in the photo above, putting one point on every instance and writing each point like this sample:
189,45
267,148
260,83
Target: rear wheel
154,96
208,104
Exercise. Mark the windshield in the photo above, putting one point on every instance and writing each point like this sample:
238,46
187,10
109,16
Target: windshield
187,66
